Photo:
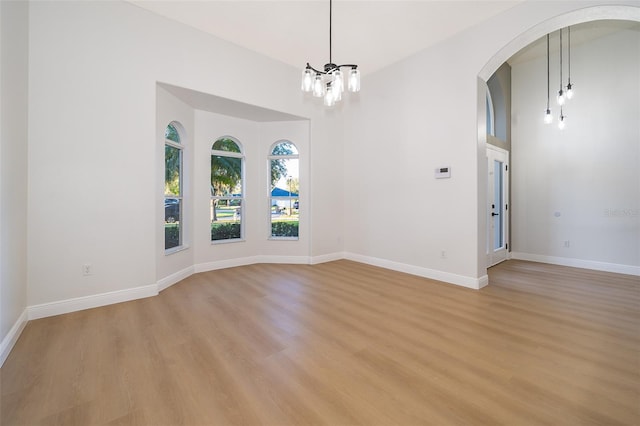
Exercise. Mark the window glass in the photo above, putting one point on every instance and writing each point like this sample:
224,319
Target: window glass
173,201
284,191
226,144
227,163
171,133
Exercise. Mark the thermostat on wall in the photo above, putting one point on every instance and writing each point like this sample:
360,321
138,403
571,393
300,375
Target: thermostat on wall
443,172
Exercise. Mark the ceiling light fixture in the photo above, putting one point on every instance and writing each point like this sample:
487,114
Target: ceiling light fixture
560,92
329,82
569,85
548,118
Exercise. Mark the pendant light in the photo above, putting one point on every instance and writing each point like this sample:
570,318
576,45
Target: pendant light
329,82
569,85
561,122
548,118
560,97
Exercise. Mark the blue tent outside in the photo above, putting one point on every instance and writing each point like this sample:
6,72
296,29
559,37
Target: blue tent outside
279,192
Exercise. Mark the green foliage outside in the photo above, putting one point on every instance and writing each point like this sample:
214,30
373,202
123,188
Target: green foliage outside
172,158
171,133
171,236
284,229
279,167
226,172
225,231
172,162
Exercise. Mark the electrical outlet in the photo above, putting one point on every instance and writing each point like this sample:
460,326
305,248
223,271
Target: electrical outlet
567,244
443,254
87,269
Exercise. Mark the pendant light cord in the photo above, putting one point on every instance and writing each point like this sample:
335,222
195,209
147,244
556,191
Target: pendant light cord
547,71
560,58
569,53
330,15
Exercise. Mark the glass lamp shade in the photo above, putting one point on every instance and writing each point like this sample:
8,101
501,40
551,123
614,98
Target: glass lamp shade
561,122
329,97
354,80
560,97
307,80
318,86
569,91
548,118
337,81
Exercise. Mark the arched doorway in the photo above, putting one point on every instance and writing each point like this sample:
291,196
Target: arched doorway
627,13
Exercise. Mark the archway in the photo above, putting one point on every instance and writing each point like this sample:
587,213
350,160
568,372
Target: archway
596,13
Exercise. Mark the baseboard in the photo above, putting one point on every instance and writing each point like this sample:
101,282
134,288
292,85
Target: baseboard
174,278
579,263
483,281
92,301
12,337
223,264
103,299
447,277
251,260
324,258
293,260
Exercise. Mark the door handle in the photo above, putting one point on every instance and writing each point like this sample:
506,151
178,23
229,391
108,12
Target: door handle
495,214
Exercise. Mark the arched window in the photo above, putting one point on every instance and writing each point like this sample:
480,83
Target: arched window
227,190
491,129
284,190
173,194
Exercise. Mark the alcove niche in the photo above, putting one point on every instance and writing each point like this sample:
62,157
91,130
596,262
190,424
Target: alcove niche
203,119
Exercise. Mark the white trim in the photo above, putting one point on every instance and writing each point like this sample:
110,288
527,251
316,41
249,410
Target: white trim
447,277
222,264
12,337
92,301
175,249
104,299
294,260
229,240
174,278
250,260
579,263
483,281
329,257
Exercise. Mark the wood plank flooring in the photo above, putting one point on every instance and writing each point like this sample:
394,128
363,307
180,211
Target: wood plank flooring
340,343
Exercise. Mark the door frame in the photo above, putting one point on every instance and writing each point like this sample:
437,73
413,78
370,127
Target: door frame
493,258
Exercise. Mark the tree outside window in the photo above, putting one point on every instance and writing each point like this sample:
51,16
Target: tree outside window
227,197
284,191
173,199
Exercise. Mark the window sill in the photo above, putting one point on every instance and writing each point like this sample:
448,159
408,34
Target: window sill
173,250
234,240
284,238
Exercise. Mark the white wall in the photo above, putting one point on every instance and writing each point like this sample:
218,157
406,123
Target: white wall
582,184
414,116
14,27
256,138
93,164
93,146
171,109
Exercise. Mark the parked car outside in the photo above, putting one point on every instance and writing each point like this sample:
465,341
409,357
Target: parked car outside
171,210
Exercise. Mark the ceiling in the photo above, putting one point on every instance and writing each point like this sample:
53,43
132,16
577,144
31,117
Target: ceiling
580,34
369,33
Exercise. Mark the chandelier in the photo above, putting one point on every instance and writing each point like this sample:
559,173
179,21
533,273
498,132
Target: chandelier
330,81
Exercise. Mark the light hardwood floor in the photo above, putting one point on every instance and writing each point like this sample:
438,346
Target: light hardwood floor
340,343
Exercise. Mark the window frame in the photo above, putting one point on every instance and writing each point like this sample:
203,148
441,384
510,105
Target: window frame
180,197
270,158
242,199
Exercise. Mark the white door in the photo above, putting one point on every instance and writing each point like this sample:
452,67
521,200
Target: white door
498,208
